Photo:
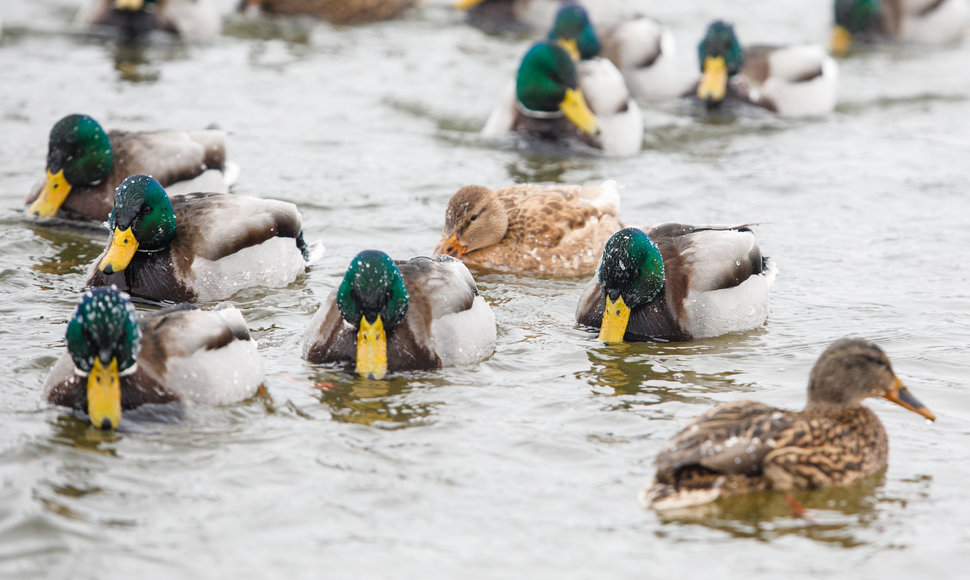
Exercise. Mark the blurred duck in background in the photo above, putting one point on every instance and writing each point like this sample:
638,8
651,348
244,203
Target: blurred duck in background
335,11
793,81
138,19
923,21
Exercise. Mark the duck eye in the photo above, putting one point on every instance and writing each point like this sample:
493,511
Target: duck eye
473,218
146,210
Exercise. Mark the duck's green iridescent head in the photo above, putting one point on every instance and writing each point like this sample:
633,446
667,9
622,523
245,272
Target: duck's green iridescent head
720,56
78,155
631,274
547,83
574,32
104,339
374,299
853,17
142,219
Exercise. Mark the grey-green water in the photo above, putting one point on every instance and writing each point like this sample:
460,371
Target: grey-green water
528,464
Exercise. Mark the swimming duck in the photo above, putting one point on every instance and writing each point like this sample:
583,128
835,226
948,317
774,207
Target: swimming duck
677,282
558,230
744,446
85,164
335,11
620,121
499,15
116,362
198,246
641,48
792,81
389,316
546,102
134,19
925,21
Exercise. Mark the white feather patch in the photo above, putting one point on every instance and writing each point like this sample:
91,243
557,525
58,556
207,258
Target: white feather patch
273,264
465,337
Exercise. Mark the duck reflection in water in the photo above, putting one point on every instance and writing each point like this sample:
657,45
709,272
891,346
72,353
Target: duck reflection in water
383,403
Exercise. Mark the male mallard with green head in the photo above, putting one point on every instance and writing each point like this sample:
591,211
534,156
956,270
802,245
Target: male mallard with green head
198,246
620,121
116,363
335,11
793,81
556,230
85,164
389,316
923,21
746,447
546,102
677,282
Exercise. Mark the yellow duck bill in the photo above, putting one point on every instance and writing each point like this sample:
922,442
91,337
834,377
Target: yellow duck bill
371,349
577,111
616,316
713,85
119,255
104,395
841,41
52,197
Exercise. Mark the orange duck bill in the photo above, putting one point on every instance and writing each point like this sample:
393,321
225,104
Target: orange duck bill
451,246
902,397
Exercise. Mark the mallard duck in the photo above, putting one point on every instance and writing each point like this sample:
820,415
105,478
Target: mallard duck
197,246
792,81
641,48
116,362
498,15
85,165
745,447
925,21
389,315
133,19
620,121
335,11
558,230
677,282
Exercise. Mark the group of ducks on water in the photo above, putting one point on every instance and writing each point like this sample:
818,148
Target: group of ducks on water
177,235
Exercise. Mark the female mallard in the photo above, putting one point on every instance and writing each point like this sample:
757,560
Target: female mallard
558,230
793,81
745,447
116,363
134,19
198,246
620,121
677,282
546,102
641,48
85,165
335,11
925,21
389,315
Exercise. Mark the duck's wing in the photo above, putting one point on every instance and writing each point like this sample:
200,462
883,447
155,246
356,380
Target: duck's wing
168,156
707,258
328,338
502,118
213,225
203,355
732,438
447,318
544,215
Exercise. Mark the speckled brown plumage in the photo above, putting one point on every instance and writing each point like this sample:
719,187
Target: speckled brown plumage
336,11
168,156
557,230
744,446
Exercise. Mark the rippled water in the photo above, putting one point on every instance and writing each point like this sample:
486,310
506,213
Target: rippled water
528,464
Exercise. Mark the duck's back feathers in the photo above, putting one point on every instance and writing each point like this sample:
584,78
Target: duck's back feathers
793,81
620,120
335,11
644,52
744,447
929,21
